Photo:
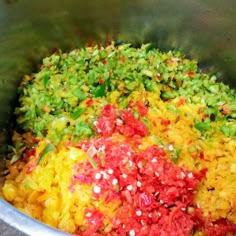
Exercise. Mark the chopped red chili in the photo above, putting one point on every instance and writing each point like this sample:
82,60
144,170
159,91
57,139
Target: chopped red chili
191,73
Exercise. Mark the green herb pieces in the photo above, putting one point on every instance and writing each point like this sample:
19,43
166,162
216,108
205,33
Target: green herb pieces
83,130
228,129
46,78
79,94
175,155
14,158
203,126
100,90
168,95
77,113
92,162
46,150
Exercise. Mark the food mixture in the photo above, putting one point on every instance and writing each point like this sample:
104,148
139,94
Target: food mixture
119,140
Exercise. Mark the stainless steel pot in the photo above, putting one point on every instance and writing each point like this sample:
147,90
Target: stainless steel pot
29,30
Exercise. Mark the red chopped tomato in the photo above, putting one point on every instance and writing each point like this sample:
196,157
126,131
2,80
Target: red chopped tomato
137,126
126,130
145,200
142,109
95,221
219,228
109,111
127,196
105,125
129,125
82,178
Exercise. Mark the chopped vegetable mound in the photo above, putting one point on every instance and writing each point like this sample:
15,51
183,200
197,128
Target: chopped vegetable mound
119,140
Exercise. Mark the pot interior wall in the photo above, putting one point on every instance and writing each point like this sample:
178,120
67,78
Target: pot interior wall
205,30
30,30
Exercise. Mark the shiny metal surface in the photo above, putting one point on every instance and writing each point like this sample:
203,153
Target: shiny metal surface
29,30
24,224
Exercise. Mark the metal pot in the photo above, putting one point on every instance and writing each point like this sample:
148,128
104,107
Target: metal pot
29,30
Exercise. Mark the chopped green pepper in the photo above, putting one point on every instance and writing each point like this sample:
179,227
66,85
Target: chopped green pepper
46,150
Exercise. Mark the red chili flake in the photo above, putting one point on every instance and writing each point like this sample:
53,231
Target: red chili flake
101,81
42,192
135,125
105,125
122,59
158,76
127,196
108,42
109,111
30,168
154,122
41,67
126,130
104,62
82,178
201,155
165,122
110,196
95,220
54,51
219,228
226,110
190,141
69,144
46,109
131,104
142,109
33,139
202,173
89,102
200,110
181,101
89,45
191,73
28,153
170,61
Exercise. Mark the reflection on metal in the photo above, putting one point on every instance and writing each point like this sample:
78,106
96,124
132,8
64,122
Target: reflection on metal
205,30
24,223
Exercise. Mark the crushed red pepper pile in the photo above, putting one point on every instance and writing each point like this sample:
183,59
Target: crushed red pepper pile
157,196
